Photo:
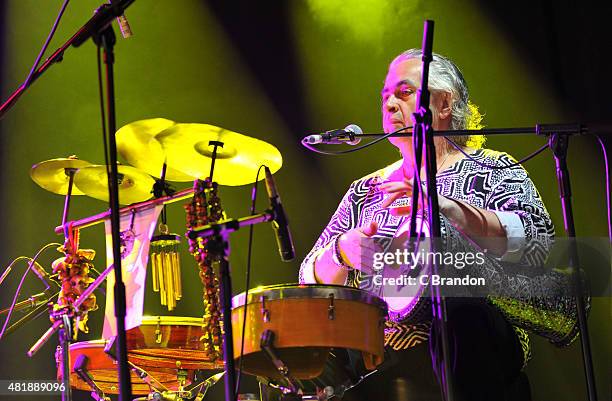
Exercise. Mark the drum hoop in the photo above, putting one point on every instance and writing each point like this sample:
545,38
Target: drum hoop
171,321
309,291
88,344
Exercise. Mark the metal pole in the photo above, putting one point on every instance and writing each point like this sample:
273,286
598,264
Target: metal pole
125,384
559,144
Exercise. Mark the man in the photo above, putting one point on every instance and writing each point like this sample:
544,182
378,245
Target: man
499,210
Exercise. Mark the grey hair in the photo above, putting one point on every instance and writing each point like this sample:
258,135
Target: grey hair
445,76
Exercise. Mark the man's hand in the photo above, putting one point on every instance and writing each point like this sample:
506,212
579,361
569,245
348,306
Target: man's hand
479,224
357,250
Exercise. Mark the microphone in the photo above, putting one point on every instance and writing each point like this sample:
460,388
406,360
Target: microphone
42,274
280,223
348,135
124,25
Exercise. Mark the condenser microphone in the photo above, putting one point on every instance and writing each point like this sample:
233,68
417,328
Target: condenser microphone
42,274
124,25
280,223
348,135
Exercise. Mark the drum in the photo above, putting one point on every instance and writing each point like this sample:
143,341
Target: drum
103,370
170,342
307,321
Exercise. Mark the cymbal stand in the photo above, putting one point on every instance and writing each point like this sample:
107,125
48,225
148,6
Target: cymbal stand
63,352
216,145
61,317
70,172
38,302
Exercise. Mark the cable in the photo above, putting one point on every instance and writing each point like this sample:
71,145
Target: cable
28,79
8,269
102,109
32,261
248,277
607,166
342,152
518,163
385,136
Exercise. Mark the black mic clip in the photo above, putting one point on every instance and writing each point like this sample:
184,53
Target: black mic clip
339,134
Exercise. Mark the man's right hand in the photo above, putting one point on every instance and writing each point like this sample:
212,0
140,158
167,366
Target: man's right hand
357,250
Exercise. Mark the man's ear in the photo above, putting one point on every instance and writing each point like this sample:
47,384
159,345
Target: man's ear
444,105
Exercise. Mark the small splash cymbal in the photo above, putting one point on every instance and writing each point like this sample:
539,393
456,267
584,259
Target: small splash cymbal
53,174
137,144
188,149
134,185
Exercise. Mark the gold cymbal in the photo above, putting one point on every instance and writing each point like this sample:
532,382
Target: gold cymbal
188,149
52,174
137,144
134,185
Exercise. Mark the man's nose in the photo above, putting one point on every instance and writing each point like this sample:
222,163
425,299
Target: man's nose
391,104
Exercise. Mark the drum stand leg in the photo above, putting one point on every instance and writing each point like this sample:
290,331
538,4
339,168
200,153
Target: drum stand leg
195,391
142,374
267,345
65,332
81,370
293,391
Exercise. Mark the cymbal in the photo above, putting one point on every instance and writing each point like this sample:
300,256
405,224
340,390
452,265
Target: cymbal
52,174
137,144
188,149
134,185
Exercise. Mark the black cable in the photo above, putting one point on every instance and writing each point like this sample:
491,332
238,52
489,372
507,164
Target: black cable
18,291
342,152
607,168
28,79
102,109
385,136
248,278
518,163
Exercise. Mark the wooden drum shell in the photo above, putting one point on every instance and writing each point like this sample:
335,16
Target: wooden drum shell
104,370
307,326
170,342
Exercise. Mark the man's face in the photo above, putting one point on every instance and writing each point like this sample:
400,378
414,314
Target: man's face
399,99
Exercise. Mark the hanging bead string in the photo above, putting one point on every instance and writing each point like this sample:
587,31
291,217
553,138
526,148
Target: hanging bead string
205,208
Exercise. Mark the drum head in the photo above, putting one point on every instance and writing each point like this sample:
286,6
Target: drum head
310,291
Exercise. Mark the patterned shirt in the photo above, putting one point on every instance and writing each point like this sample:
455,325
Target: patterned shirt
507,191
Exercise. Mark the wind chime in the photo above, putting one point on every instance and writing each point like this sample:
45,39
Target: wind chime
166,265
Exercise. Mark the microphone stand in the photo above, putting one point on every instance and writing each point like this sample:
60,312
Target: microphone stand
558,142
101,18
422,119
38,305
106,39
97,26
218,242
